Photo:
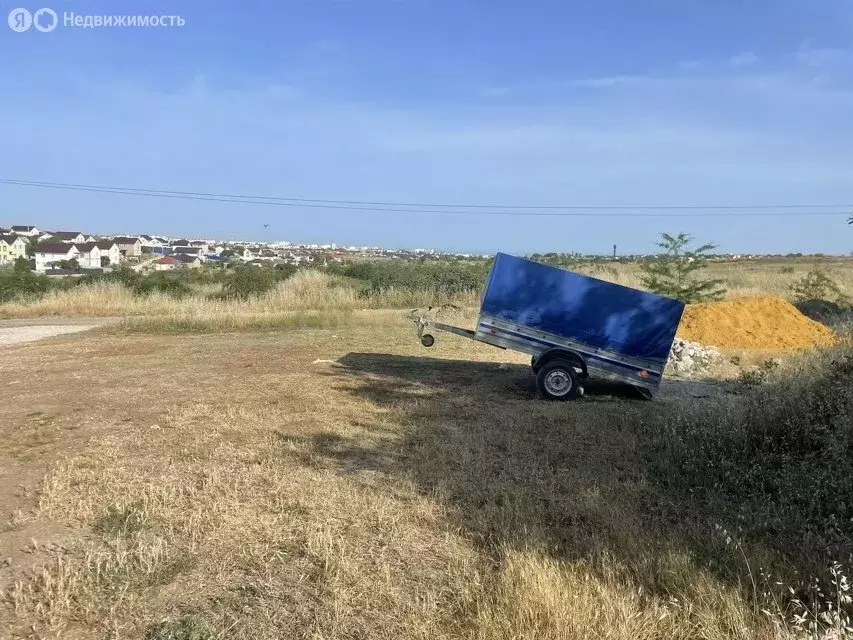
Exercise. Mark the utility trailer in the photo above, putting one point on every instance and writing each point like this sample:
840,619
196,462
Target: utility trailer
573,326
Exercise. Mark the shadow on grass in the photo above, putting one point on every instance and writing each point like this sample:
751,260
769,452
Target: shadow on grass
571,479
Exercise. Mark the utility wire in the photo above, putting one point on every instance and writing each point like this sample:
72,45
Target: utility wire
458,209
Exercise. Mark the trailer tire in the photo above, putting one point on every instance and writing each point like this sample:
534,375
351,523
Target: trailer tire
558,380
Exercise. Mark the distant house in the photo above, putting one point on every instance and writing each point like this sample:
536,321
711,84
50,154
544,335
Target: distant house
200,244
88,255
189,251
186,260
4,231
179,243
25,230
47,254
12,247
109,249
130,247
74,237
166,263
150,241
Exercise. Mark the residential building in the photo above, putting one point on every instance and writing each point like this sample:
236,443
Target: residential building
166,263
189,251
150,241
130,247
47,254
25,230
109,249
186,260
74,237
12,247
89,255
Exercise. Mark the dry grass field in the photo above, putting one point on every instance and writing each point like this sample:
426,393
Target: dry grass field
324,476
313,299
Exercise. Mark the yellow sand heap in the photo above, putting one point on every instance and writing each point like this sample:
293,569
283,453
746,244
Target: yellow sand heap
752,323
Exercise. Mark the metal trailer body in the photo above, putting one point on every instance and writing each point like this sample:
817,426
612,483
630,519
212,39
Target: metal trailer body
606,330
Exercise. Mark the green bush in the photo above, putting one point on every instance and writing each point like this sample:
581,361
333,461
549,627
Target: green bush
444,277
174,285
246,281
16,283
777,462
818,285
207,274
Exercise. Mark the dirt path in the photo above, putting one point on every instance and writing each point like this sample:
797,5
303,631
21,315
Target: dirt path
30,330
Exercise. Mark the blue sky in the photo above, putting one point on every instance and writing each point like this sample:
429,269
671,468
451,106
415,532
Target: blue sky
537,102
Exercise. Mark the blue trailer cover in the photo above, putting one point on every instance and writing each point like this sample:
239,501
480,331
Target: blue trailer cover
600,314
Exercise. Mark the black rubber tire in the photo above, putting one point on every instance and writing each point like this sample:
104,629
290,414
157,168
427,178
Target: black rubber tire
563,371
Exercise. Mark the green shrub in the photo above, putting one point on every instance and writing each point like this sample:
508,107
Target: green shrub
776,462
207,274
15,283
171,284
818,285
444,277
246,281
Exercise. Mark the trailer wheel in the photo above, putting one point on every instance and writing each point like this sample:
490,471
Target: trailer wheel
558,380
427,340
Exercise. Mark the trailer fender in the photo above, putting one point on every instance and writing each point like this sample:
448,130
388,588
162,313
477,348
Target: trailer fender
560,354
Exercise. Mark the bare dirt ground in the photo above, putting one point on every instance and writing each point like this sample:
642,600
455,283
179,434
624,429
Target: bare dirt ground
307,483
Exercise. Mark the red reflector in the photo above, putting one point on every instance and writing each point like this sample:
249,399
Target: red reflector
494,331
644,374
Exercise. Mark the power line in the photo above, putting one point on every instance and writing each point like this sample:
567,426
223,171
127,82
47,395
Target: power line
457,209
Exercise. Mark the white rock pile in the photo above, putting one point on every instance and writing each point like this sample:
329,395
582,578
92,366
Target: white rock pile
686,358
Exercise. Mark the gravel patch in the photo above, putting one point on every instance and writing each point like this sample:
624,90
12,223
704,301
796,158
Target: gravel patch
17,335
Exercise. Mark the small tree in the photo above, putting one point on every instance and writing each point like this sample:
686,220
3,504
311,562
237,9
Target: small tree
674,272
22,265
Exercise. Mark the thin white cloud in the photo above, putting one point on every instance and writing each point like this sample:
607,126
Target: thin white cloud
743,59
612,81
495,92
689,65
825,57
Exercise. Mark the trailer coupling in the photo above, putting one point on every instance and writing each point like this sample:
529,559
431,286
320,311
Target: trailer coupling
426,330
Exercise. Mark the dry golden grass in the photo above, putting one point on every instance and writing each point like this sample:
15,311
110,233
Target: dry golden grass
330,481
745,277
235,486
314,299
308,299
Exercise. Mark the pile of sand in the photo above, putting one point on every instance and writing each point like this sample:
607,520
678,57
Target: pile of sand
752,323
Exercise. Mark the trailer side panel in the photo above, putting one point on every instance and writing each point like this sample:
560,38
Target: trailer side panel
613,323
